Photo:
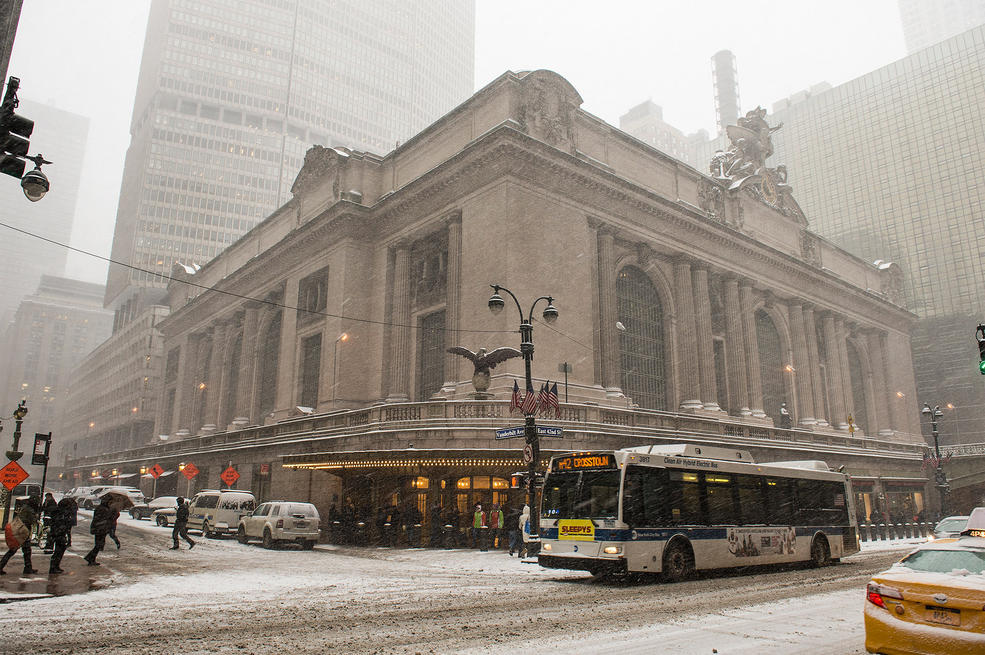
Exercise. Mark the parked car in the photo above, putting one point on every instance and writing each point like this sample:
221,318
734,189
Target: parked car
145,509
164,516
216,512
85,497
949,527
281,521
933,600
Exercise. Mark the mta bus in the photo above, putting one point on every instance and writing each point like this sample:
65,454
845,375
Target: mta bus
677,509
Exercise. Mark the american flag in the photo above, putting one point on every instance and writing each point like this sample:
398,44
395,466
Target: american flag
553,402
516,399
542,398
529,404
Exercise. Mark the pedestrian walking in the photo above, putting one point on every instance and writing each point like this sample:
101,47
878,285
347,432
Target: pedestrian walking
48,508
112,528
524,525
181,525
102,523
495,522
513,530
478,527
62,520
27,513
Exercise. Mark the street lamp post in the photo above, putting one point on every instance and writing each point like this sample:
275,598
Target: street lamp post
940,479
496,304
13,454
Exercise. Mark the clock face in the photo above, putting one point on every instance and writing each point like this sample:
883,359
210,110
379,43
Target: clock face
769,190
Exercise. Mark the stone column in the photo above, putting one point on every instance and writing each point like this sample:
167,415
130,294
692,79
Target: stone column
201,385
608,311
690,393
453,306
810,331
832,363
216,371
400,332
248,359
287,374
880,389
703,332
841,330
187,386
801,362
735,350
754,382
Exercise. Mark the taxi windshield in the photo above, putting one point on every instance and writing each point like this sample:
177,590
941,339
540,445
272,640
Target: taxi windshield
946,561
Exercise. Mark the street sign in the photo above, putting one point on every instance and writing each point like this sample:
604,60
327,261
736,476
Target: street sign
156,471
509,433
229,476
528,454
42,442
549,431
190,470
12,475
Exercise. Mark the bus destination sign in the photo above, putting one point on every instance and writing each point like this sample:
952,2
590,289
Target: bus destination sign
584,461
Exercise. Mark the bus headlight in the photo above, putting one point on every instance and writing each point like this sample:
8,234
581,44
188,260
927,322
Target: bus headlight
612,550
545,547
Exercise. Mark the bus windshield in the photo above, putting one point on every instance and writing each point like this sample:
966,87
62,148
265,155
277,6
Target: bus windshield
581,495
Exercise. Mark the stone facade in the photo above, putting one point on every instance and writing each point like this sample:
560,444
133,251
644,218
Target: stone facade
670,313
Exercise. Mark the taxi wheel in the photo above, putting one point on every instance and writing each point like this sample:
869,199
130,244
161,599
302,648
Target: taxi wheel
678,562
820,555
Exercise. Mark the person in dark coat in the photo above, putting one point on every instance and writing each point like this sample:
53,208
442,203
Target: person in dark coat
102,523
181,525
47,512
112,529
513,530
28,514
436,525
62,520
412,525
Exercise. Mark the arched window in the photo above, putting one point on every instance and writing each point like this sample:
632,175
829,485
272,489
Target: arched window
770,365
857,373
230,384
268,360
642,354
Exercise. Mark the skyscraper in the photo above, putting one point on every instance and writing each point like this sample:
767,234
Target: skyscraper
725,77
232,93
61,137
889,165
926,22
230,96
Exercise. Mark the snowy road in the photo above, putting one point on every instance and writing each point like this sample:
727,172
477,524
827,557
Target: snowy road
226,597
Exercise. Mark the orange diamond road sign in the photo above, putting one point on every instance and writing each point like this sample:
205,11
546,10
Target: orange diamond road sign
229,476
12,475
156,471
190,470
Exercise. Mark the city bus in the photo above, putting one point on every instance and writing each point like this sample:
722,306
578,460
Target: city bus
677,509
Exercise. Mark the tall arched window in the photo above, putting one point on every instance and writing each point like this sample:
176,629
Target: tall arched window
856,371
230,384
770,365
268,360
642,354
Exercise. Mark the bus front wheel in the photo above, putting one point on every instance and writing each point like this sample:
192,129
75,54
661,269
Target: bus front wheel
678,562
820,554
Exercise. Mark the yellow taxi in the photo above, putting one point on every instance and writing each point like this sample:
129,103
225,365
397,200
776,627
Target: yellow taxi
932,602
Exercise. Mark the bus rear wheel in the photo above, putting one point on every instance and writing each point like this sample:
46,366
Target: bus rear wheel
678,562
820,554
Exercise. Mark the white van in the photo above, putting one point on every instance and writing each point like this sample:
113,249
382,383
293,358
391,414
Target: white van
217,512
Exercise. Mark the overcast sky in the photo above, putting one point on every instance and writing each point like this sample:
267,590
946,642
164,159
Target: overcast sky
83,55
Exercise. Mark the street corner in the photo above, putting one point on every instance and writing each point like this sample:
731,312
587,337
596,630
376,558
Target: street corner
77,578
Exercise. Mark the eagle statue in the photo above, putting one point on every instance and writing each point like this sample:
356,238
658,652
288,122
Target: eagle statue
483,361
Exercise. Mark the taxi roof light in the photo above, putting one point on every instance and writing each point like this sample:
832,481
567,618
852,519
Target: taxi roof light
976,523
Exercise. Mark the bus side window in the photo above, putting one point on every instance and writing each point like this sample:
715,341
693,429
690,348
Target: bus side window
632,504
752,500
684,498
780,502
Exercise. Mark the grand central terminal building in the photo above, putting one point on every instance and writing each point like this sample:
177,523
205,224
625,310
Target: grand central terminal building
312,355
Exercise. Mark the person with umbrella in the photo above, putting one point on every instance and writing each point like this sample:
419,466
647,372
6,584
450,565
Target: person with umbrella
117,503
102,523
62,520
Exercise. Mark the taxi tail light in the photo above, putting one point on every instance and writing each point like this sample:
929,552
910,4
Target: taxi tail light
874,593
280,523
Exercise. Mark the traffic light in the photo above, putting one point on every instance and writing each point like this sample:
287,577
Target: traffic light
980,335
14,133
